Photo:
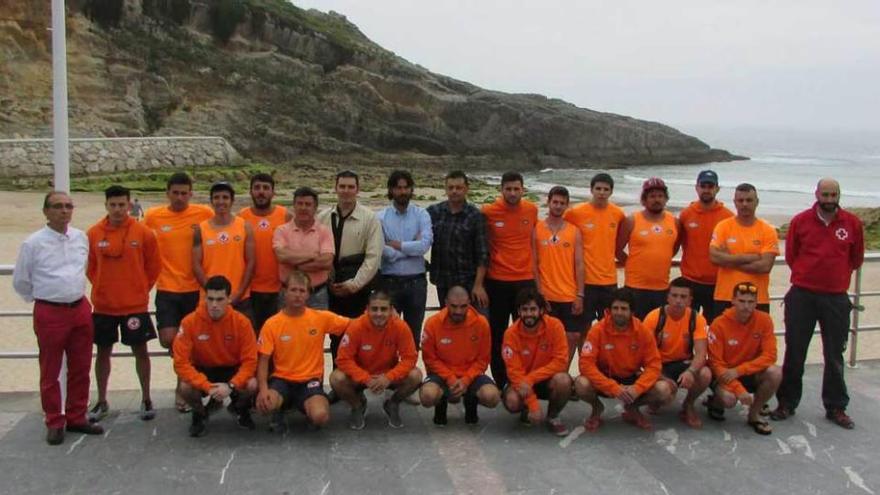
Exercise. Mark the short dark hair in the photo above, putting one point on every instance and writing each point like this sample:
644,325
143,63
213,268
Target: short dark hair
746,187
682,282
745,288
263,177
512,177
558,191
530,294
219,282
221,186
623,294
457,174
115,191
395,177
350,175
379,294
304,191
49,195
602,177
179,179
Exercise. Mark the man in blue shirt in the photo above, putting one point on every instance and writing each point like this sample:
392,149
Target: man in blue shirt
408,236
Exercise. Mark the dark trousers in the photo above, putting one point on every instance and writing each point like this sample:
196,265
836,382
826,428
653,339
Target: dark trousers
349,306
704,300
409,293
264,305
647,300
803,309
502,308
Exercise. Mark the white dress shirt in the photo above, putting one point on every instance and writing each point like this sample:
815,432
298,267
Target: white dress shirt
52,266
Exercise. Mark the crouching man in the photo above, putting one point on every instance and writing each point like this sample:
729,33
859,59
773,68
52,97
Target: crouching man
215,354
377,353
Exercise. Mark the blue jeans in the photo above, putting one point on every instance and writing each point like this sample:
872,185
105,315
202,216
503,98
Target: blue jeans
409,293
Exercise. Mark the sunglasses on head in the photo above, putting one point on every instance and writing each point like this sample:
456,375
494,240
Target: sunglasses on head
749,288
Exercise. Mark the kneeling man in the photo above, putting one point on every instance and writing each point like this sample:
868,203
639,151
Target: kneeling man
456,348
742,356
619,359
535,351
215,354
377,352
680,332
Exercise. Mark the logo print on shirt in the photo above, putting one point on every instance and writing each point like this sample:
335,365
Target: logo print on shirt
589,225
344,341
135,244
237,238
285,338
445,341
587,347
133,323
525,352
693,225
499,224
732,342
367,347
313,331
263,224
525,221
756,242
474,338
634,347
165,228
608,347
507,352
103,244
656,229
643,232
544,346
223,238
842,234
203,337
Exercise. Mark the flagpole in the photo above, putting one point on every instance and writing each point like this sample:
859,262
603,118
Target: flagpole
60,146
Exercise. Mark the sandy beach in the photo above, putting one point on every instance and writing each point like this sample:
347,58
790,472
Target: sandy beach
22,214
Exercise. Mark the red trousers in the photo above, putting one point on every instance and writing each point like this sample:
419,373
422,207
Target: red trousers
61,330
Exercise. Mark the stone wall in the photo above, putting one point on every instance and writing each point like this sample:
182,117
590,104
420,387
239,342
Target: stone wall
33,157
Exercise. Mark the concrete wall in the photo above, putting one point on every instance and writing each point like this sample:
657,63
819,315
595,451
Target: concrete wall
33,157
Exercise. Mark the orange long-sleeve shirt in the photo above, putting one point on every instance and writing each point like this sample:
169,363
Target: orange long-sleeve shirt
509,233
124,264
205,343
749,347
367,350
609,353
459,351
534,357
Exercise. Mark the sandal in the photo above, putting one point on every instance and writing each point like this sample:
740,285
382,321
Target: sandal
593,423
182,407
761,427
692,420
781,413
636,419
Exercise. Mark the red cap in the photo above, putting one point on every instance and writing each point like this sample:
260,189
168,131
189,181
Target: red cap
654,183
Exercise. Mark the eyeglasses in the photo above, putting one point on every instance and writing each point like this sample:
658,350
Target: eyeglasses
743,288
61,206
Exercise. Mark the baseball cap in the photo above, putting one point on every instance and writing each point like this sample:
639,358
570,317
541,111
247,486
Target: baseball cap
654,183
707,176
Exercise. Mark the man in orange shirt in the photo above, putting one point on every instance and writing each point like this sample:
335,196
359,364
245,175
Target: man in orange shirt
619,359
215,355
652,237
377,353
744,248
680,333
509,224
559,267
123,267
177,290
598,220
293,341
536,354
456,345
697,222
742,356
224,245
264,217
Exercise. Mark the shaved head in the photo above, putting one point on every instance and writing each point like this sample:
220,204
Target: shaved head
828,195
827,182
457,303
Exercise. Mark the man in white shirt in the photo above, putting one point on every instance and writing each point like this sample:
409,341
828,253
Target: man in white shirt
51,272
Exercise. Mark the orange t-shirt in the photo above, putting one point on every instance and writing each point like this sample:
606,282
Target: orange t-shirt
366,350
674,339
608,354
759,238
265,277
455,352
697,225
651,248
174,231
598,228
509,233
749,347
532,358
555,258
296,343
223,252
205,343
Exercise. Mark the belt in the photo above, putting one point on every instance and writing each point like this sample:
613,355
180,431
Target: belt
61,304
405,278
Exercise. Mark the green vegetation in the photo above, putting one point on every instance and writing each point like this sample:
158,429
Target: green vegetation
225,16
177,11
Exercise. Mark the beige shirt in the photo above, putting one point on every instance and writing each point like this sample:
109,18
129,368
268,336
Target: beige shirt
361,234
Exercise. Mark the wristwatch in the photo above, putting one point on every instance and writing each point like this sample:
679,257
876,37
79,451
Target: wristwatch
231,386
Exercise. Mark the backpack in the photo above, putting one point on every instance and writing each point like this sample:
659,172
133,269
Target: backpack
692,325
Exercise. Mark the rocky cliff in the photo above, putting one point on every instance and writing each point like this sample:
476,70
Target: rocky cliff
279,82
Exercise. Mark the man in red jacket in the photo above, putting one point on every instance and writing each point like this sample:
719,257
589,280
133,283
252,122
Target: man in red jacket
824,245
377,352
215,354
124,264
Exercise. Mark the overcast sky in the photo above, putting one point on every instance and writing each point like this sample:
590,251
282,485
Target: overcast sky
807,64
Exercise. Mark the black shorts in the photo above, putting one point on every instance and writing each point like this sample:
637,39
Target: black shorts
541,389
597,298
647,300
171,307
295,394
674,369
571,323
623,380
135,328
219,374
471,391
749,382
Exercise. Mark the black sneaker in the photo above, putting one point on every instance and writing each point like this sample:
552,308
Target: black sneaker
213,406
524,417
392,410
440,413
199,426
470,411
98,412
245,420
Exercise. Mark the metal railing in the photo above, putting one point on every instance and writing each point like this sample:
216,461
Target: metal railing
855,322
